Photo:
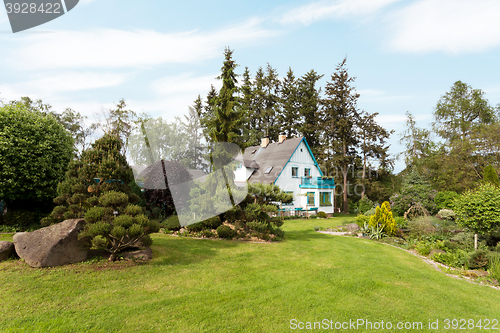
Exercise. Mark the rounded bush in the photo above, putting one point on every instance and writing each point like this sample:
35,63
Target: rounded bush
133,210
196,227
124,221
94,214
114,199
212,223
321,215
226,232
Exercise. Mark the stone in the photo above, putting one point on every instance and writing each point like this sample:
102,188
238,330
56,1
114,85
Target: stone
146,254
6,250
351,227
55,245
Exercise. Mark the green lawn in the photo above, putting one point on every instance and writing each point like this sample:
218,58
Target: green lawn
222,286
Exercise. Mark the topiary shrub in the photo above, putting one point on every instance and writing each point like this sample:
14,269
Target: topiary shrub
477,259
226,232
446,214
108,226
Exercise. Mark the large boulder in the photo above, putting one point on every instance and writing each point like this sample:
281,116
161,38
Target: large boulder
352,227
55,245
6,250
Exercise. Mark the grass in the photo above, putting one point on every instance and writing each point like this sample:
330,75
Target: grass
196,285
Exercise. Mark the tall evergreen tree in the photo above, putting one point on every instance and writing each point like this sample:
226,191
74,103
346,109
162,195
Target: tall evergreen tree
340,120
288,118
308,100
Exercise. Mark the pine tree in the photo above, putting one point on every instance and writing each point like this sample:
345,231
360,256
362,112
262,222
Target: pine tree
289,119
341,118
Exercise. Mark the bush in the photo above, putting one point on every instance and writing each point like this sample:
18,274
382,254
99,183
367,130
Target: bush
453,259
423,248
172,223
196,227
477,259
383,217
446,214
421,227
207,233
361,220
416,190
321,215
479,211
401,222
370,212
212,223
365,205
494,269
261,227
226,232
445,199
35,150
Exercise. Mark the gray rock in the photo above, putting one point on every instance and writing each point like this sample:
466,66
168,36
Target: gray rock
55,245
351,227
6,250
146,254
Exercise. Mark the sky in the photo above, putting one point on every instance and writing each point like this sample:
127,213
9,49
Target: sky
160,55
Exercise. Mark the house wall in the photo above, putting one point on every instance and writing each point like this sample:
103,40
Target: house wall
302,159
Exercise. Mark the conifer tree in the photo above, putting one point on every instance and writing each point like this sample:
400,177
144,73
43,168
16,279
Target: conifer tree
490,176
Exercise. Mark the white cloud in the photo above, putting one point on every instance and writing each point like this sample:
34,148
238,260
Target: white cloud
318,11
108,48
374,95
184,83
452,26
70,81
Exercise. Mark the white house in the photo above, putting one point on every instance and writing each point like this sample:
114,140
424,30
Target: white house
290,164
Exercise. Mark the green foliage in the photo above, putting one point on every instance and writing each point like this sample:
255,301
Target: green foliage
490,176
365,205
261,227
494,268
362,219
196,227
226,232
446,214
34,154
416,190
370,212
401,222
172,223
445,199
113,199
477,259
376,232
133,210
423,248
212,223
421,227
455,259
479,211
383,218
321,215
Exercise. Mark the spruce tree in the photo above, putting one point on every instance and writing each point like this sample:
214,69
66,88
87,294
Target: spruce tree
490,176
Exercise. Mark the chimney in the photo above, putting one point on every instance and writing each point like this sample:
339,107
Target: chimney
264,143
281,138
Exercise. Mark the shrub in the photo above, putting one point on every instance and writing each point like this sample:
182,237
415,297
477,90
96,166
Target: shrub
453,259
172,223
35,150
321,215
261,227
445,199
365,205
401,222
20,218
423,248
416,190
479,211
490,176
477,259
494,269
196,227
226,232
421,227
207,233
361,220
383,217
446,214
212,223
370,212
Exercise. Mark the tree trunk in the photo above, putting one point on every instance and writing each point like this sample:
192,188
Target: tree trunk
345,203
475,242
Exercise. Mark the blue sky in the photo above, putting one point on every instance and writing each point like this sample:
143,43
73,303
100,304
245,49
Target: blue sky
159,55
